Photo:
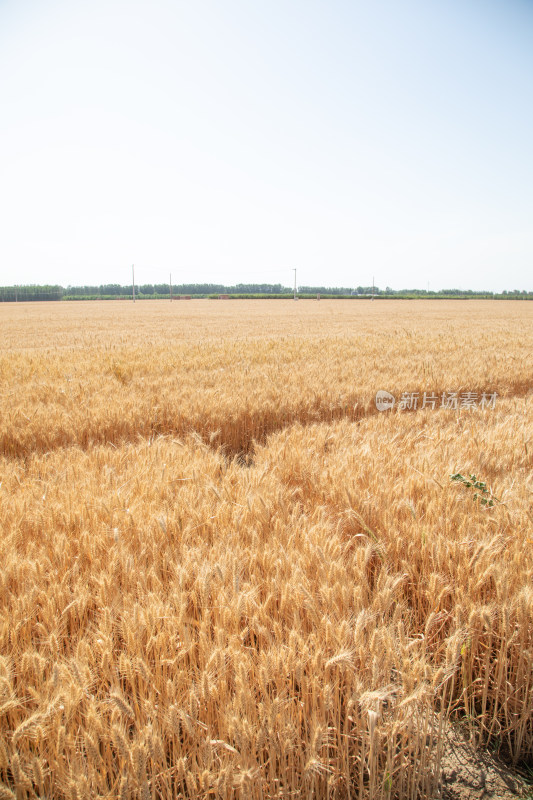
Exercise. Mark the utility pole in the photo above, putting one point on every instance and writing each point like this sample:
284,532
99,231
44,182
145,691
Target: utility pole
372,287
294,268
170,287
133,281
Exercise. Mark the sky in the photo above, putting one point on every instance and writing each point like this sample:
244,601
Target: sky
232,141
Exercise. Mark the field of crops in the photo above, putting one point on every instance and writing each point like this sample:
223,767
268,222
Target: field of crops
225,574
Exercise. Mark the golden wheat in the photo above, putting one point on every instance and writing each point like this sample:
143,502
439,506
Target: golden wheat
297,621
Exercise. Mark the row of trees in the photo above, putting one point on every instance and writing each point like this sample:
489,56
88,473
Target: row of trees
154,290
150,289
24,293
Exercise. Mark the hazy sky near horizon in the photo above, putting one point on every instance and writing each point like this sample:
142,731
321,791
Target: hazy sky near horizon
230,141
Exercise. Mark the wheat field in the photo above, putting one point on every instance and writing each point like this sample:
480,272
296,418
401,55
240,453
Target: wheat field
226,575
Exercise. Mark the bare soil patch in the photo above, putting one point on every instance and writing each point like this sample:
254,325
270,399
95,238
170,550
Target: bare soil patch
473,773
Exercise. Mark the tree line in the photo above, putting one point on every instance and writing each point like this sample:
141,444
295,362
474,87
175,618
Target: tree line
161,290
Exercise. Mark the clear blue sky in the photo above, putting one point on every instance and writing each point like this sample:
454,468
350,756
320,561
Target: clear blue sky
232,140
